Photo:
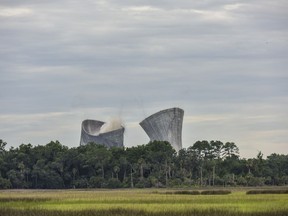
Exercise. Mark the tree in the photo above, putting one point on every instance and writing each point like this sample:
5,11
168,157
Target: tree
204,154
277,165
216,149
97,156
2,146
155,164
161,154
2,152
230,150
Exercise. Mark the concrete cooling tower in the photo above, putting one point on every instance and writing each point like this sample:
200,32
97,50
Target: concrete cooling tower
109,134
165,125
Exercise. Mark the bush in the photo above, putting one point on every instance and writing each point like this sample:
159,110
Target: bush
143,183
215,192
81,183
174,182
284,191
154,181
188,182
218,181
96,182
187,192
206,192
5,183
255,181
241,181
113,183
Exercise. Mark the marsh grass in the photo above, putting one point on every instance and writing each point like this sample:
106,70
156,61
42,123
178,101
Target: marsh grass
23,199
283,191
138,202
193,192
215,192
184,192
127,212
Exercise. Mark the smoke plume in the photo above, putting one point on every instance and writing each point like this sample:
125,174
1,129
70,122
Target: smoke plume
113,124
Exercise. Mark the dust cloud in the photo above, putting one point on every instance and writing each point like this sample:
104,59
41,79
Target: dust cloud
111,125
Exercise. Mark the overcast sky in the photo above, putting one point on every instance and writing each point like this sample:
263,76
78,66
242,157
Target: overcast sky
225,62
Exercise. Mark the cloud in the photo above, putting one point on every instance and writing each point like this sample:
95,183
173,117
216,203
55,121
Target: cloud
141,9
222,61
233,6
206,118
15,12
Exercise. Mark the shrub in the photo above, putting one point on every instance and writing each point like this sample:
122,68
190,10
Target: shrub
206,192
5,183
215,192
183,192
96,182
255,181
81,183
113,183
241,181
284,191
143,183
187,192
174,182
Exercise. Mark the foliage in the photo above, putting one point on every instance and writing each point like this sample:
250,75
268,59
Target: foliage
185,192
283,191
5,183
156,164
215,192
204,192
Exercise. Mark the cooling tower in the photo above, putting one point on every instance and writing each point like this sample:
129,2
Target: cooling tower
91,132
165,125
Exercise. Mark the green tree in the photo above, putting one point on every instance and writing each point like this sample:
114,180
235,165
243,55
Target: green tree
97,156
230,150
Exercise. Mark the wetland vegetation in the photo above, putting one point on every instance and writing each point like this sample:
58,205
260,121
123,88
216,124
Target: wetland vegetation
147,202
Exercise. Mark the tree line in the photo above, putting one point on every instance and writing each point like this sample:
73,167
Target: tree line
155,164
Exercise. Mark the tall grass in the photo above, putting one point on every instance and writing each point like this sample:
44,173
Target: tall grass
125,212
138,202
23,199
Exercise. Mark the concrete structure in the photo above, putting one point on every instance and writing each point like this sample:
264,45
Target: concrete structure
91,132
165,125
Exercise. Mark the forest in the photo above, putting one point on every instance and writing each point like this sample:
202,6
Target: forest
156,164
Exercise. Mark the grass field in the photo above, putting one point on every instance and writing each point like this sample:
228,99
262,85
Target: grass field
138,202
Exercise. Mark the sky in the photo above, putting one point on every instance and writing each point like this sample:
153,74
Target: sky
225,62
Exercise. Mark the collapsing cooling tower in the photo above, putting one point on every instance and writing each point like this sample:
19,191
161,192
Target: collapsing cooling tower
107,134
165,125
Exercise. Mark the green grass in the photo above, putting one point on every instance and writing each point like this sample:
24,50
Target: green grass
138,202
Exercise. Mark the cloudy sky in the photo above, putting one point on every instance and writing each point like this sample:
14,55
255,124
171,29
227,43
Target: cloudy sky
225,62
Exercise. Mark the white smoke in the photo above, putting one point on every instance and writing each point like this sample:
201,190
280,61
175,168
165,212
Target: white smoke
112,124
